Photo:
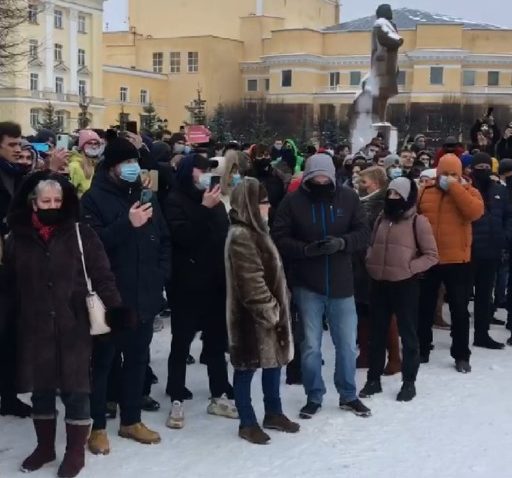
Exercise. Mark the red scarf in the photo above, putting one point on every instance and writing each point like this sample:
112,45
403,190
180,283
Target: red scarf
44,231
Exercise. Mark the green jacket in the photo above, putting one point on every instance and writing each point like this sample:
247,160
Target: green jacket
299,158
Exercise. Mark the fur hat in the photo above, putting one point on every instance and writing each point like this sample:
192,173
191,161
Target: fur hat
118,151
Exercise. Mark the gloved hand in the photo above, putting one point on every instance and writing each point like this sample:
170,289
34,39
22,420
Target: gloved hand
332,245
314,249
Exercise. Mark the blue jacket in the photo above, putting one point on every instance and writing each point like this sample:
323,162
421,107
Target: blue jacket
493,231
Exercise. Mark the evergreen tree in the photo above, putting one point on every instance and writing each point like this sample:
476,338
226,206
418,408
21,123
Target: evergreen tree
197,109
50,120
220,126
83,116
150,121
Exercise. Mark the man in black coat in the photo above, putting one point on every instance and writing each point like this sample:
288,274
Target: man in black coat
491,234
137,243
504,145
317,229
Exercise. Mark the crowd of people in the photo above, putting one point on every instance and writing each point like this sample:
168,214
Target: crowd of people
260,248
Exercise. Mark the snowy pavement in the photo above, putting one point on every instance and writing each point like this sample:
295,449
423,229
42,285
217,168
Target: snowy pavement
457,427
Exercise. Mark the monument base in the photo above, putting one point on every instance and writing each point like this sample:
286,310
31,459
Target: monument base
390,134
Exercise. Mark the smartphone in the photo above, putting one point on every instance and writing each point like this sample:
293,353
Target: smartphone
215,181
41,147
146,196
131,126
62,141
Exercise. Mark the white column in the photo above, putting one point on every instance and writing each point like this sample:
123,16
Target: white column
259,7
73,51
49,84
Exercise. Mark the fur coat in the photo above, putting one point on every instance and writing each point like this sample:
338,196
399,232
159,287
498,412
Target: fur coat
258,314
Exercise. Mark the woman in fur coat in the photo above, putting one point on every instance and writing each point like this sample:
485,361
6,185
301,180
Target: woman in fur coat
258,313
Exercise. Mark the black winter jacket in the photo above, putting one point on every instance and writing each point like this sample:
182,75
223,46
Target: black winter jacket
300,221
493,231
504,148
139,257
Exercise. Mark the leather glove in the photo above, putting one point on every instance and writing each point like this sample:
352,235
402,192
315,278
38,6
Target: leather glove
332,245
314,249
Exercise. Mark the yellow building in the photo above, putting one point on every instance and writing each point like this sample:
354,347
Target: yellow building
64,63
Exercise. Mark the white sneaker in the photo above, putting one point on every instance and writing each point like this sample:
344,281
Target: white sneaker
222,407
176,417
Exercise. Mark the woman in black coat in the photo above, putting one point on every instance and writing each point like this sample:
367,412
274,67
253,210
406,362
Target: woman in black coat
48,294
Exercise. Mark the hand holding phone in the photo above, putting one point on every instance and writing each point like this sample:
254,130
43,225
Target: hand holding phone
146,196
214,182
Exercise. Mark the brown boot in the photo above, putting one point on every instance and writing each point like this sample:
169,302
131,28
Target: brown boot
394,365
98,442
254,435
363,339
139,433
281,423
45,450
74,458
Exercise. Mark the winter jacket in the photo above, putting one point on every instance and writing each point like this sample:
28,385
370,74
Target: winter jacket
258,315
77,175
504,148
493,231
400,250
299,165
301,220
10,178
140,257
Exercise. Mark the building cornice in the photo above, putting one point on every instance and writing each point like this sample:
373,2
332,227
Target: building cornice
121,70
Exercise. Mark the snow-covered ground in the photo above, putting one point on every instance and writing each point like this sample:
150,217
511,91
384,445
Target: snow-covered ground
459,426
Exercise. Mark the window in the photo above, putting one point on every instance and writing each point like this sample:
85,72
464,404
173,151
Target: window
59,84
33,49
286,78
193,61
81,23
57,19
175,62
123,94
81,58
493,78
355,78
57,53
436,75
252,85
34,118
61,119
32,13
144,97
334,79
468,78
82,88
401,78
158,62
267,84
34,82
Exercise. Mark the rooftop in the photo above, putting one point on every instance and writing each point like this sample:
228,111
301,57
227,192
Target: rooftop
408,19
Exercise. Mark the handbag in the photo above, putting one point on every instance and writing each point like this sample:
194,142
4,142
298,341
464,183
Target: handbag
95,306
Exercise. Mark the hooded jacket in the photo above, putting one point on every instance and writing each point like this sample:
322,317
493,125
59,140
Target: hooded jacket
299,163
451,213
258,315
77,174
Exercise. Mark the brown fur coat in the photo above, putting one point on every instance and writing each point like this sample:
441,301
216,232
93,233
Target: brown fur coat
258,314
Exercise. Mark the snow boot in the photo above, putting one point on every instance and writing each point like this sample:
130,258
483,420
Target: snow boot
280,423
254,434
309,410
74,458
98,442
370,388
394,365
462,366
407,393
45,450
139,433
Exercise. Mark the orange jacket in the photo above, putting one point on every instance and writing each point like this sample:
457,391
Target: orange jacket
451,213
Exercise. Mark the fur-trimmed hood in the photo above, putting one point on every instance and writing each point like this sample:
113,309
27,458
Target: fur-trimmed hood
245,200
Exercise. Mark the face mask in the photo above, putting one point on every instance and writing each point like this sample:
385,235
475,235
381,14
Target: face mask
443,182
49,217
320,191
93,151
187,150
130,172
394,208
481,176
278,146
236,180
204,181
179,148
394,173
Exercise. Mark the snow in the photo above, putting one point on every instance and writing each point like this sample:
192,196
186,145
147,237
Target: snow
458,426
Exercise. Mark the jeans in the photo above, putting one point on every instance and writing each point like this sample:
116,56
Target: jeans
78,410
342,319
134,345
399,298
457,280
484,274
270,381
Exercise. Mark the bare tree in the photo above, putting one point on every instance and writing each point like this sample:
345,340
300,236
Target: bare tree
13,13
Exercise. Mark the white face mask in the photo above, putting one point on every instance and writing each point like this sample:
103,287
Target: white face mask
204,181
93,152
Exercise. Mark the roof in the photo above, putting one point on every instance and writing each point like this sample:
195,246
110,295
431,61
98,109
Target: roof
408,19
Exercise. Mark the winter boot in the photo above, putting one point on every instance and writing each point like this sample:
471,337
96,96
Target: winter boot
176,418
462,366
280,423
139,433
98,442
407,393
222,407
487,342
394,365
370,388
45,450
363,339
74,458
254,434
12,405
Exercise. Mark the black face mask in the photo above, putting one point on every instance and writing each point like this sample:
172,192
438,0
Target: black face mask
394,209
321,192
50,217
482,177
262,164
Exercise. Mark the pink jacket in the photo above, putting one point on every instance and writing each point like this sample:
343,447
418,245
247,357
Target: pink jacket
393,254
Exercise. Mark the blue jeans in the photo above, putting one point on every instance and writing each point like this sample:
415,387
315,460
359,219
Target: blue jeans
342,318
270,380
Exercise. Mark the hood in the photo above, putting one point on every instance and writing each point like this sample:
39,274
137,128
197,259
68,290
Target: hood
449,163
75,157
294,146
320,165
161,152
245,200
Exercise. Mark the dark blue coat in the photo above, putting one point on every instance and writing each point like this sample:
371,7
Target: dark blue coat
139,257
493,231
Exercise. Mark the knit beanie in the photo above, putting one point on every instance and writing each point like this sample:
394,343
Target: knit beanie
118,151
402,186
466,160
481,158
86,135
391,160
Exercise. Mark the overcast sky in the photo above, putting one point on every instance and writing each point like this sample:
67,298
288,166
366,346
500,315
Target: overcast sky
497,12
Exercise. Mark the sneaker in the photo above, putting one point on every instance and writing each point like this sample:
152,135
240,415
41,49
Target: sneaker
139,433
176,419
407,392
222,407
356,407
309,410
158,325
98,443
254,435
371,388
149,405
280,423
462,366
111,413
488,343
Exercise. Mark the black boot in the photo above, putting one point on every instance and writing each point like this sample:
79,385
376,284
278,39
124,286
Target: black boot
11,405
407,393
371,388
487,342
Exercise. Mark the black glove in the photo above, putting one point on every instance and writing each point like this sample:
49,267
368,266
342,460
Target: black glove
332,245
314,249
